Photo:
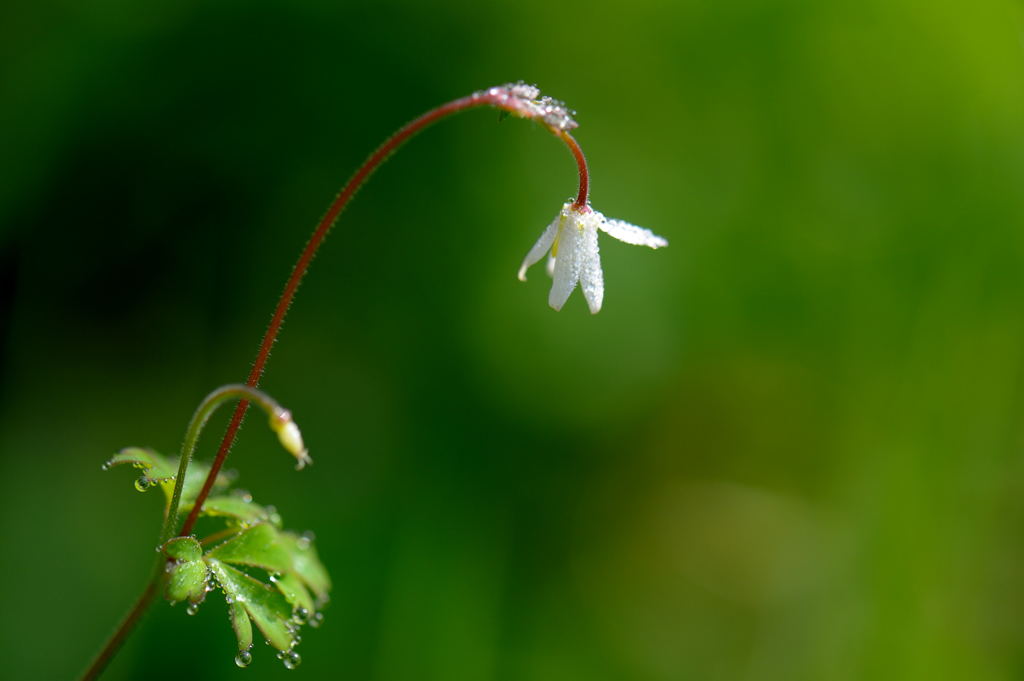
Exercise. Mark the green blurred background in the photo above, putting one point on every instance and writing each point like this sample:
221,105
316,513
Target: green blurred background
790,446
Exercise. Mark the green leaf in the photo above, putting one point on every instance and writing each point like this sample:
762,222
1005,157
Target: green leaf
259,546
188,573
267,608
292,589
183,548
187,581
306,564
155,468
159,470
195,476
233,506
241,624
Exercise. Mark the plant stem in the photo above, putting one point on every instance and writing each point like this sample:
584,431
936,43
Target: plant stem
513,99
202,414
499,98
195,427
217,536
127,624
581,163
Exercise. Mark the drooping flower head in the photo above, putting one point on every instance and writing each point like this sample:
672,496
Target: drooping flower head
575,257
572,236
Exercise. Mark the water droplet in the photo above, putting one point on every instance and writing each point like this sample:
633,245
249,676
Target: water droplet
300,616
106,466
192,608
316,620
243,658
244,495
142,483
291,659
229,599
303,542
274,576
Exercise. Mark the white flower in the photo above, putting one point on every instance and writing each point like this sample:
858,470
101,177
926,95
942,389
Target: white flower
572,240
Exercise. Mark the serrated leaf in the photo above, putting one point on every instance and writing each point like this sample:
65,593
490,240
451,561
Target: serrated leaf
241,624
187,581
233,506
291,587
259,546
306,563
160,470
267,608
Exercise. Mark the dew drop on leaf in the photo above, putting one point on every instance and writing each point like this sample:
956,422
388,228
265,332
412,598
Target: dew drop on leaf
316,620
142,483
291,659
300,616
192,608
243,658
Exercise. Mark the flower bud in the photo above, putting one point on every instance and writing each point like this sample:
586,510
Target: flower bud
290,437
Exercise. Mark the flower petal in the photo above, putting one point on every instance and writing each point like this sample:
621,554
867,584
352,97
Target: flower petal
540,248
631,234
567,264
591,276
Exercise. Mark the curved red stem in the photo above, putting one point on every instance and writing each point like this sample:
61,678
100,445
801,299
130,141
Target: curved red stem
117,640
497,98
581,163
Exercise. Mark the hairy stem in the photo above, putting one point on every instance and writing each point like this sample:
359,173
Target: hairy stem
513,99
278,418
498,98
115,642
195,427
